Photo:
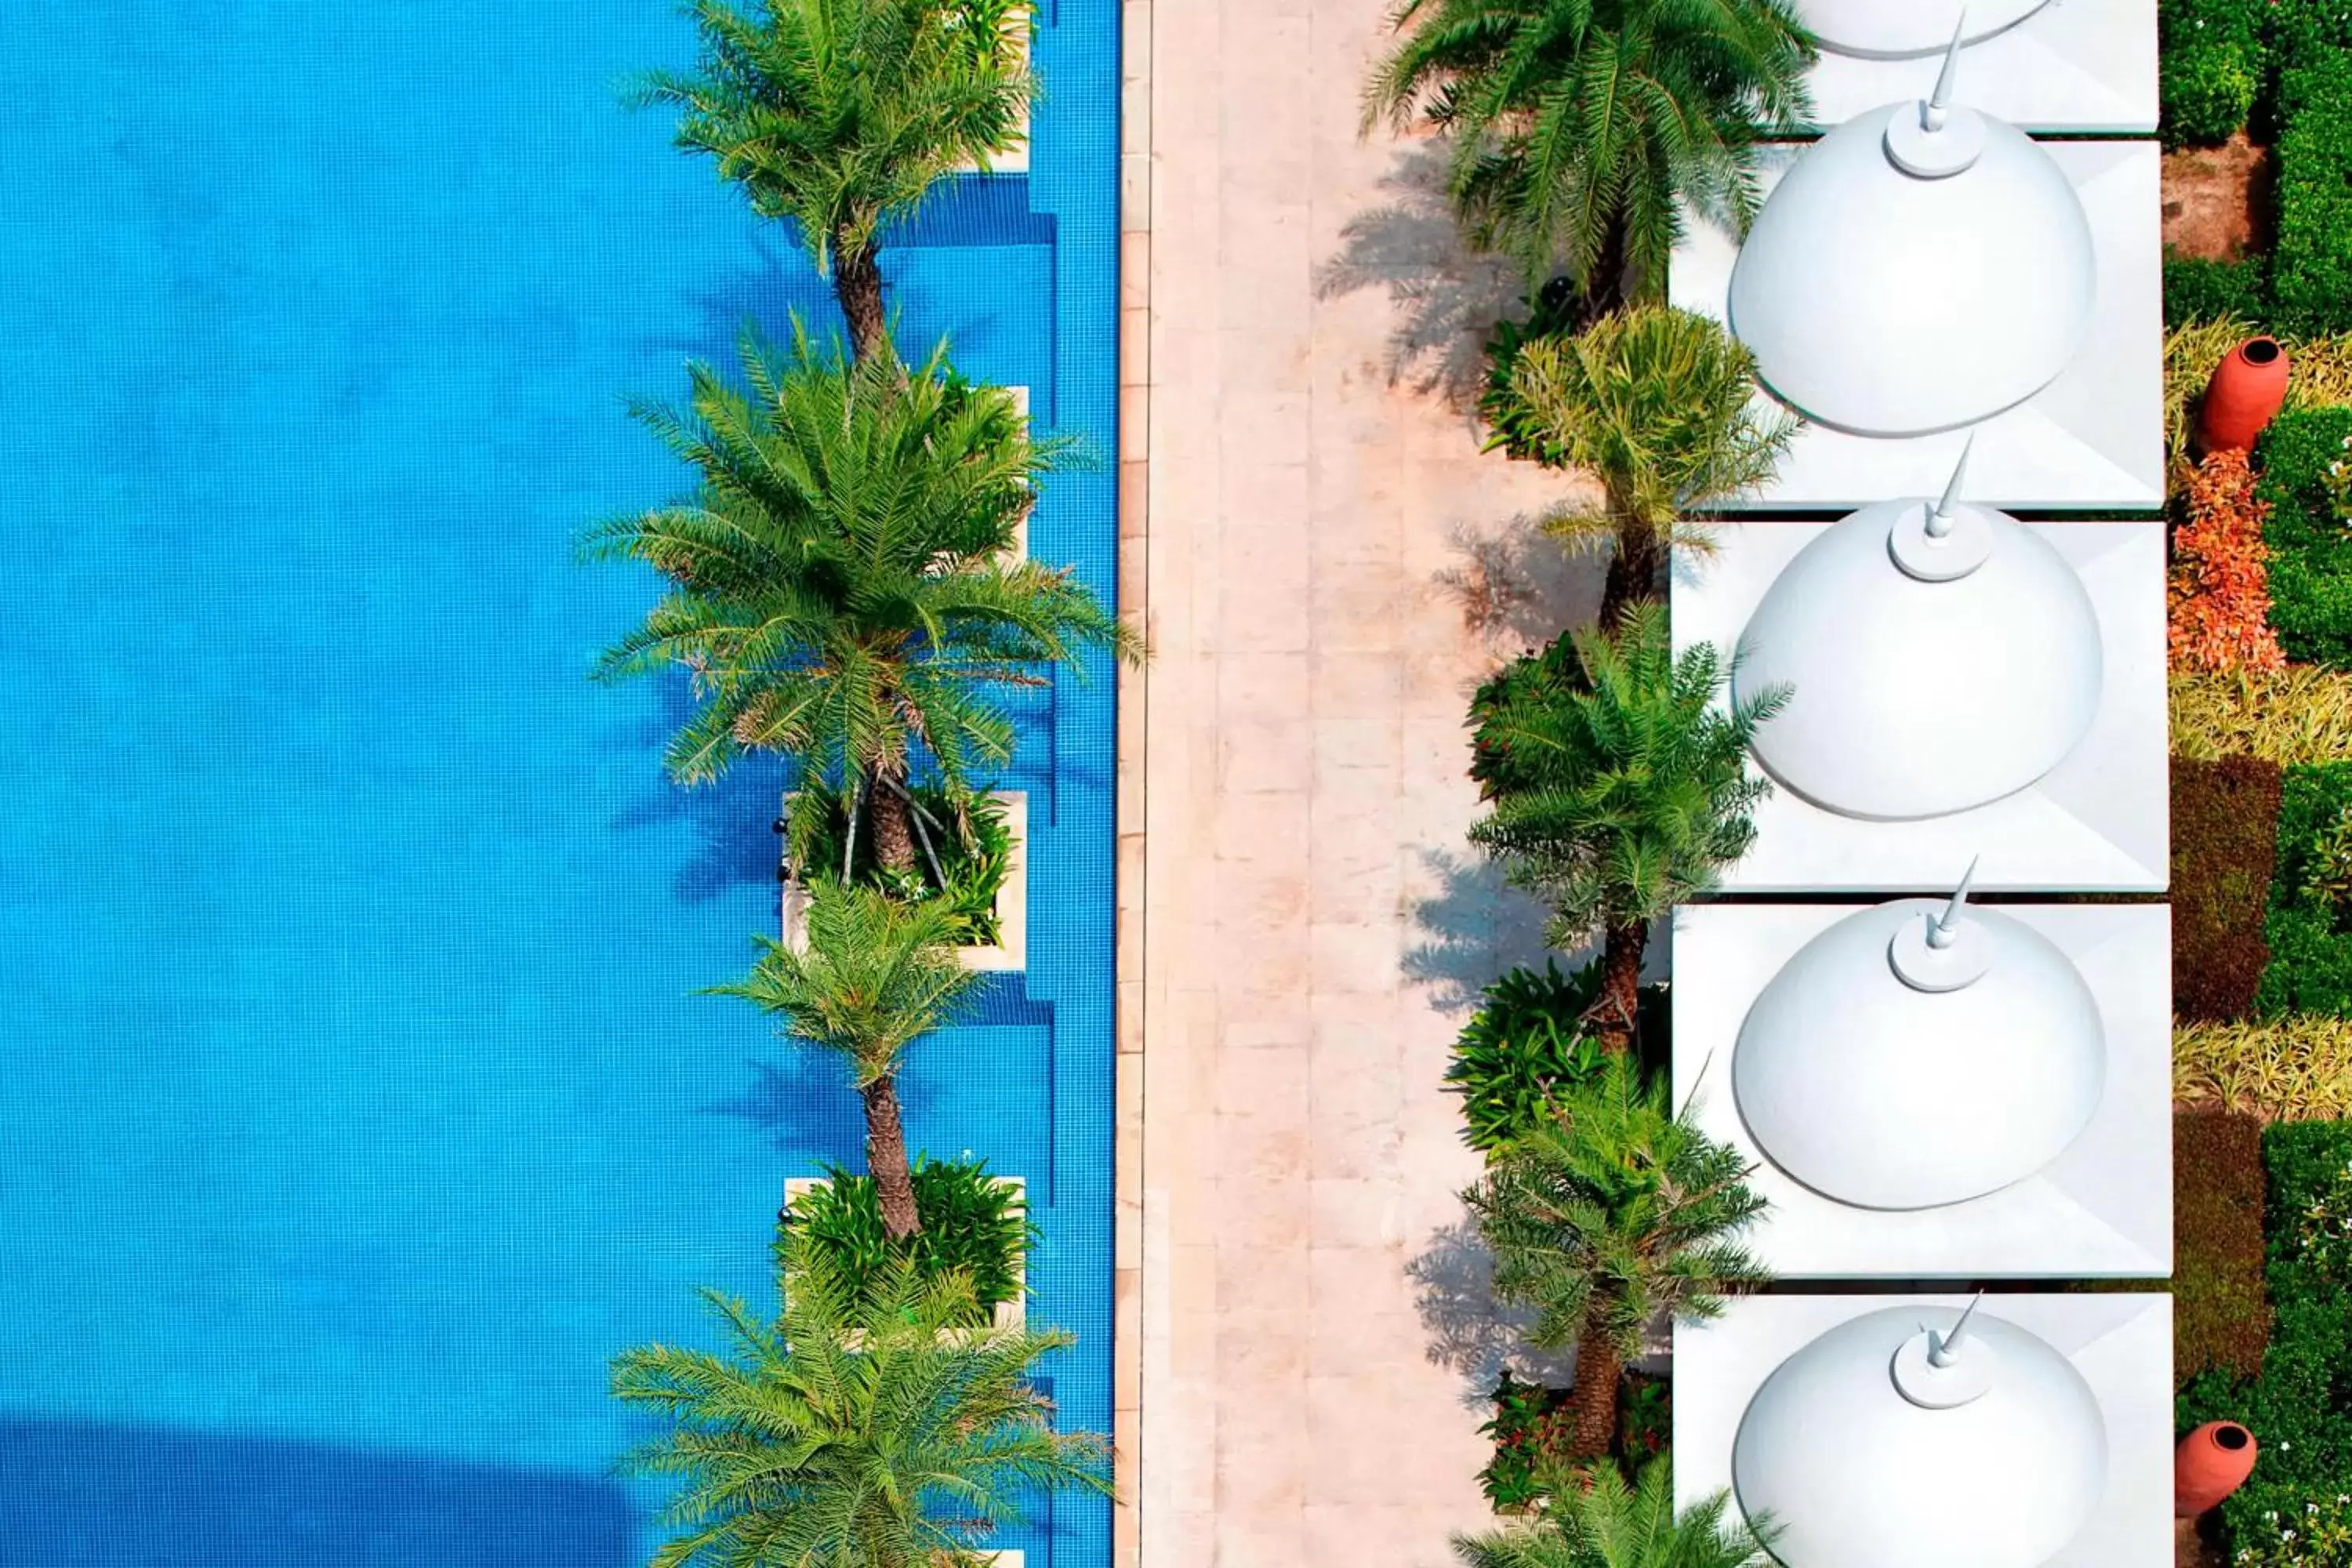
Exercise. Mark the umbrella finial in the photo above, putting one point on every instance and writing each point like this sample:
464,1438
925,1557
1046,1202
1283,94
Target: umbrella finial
1938,107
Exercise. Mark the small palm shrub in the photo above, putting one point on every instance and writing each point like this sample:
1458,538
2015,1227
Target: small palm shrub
872,976
840,586
1656,403
973,1223
965,853
2219,595
1611,1525
838,116
1579,134
1526,1045
1619,793
1606,1216
865,1424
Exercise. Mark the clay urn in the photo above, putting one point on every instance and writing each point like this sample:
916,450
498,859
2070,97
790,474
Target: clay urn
2210,1463
2243,395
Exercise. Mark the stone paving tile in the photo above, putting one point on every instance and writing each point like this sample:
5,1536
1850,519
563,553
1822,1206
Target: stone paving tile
1311,916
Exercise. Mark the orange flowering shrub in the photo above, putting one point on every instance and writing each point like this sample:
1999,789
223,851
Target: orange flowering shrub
2219,594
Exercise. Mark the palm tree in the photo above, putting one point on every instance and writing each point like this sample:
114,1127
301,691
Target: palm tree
1615,1211
1621,789
842,585
874,975
840,115
1658,404
1579,127
1609,1524
860,1430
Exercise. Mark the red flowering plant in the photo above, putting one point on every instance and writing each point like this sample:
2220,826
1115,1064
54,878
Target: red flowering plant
2219,594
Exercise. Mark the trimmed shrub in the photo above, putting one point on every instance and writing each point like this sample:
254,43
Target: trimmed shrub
2309,927
964,852
2311,264
1532,1431
1522,1049
2196,290
2210,69
2219,598
2304,36
2221,1310
2298,714
2311,550
2300,1408
2224,839
2296,1069
971,1220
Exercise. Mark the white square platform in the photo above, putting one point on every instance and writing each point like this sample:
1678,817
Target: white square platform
2103,1209
2074,67
2091,440
2121,1344
2100,822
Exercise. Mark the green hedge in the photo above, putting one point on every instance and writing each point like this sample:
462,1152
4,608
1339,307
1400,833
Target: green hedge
2200,291
2210,69
2311,550
2224,837
2311,943
2300,1408
2311,264
971,1219
2305,36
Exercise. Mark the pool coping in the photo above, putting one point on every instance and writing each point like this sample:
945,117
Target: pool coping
1134,607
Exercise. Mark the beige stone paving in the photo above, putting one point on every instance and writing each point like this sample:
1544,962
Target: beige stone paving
1316,624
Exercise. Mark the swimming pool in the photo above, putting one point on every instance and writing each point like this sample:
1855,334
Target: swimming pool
357,1102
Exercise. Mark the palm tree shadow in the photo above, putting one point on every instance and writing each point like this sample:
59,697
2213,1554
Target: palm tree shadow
1471,1333
732,818
1473,929
776,288
1517,587
1448,297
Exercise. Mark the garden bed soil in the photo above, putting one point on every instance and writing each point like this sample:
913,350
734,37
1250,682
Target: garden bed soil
2217,200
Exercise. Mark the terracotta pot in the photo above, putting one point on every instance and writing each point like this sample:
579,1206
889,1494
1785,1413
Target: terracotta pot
2210,1463
2243,395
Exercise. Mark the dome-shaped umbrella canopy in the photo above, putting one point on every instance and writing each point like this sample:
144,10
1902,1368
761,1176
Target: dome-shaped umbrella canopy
1915,688
1865,1449
1921,268
1920,1054
1879,30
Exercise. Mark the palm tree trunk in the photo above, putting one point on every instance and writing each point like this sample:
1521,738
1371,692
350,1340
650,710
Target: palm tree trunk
857,284
1613,1012
1609,288
1635,567
885,1158
1592,1397
894,828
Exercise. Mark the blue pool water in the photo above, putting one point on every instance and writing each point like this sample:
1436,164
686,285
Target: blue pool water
356,1102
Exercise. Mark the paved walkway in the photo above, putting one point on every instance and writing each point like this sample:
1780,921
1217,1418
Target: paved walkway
1332,566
